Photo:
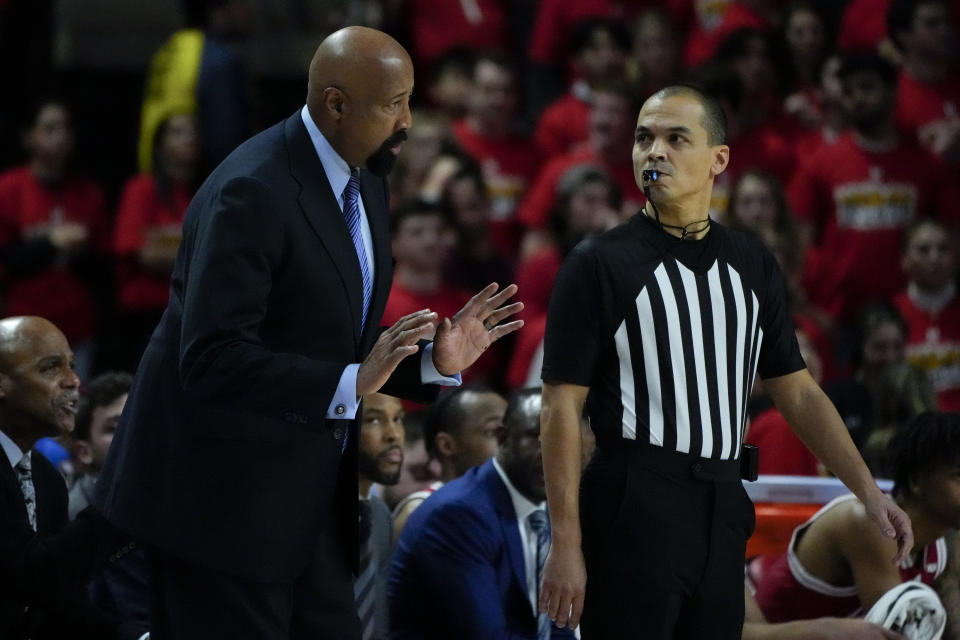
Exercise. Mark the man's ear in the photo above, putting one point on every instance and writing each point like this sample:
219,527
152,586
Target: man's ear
445,445
721,158
83,452
6,385
333,102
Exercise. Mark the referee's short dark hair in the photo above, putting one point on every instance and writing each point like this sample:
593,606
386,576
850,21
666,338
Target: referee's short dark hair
929,442
714,118
100,392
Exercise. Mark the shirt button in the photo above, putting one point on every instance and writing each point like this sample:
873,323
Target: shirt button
338,433
340,409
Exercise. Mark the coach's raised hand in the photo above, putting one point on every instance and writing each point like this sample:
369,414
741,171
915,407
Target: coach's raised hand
462,339
393,345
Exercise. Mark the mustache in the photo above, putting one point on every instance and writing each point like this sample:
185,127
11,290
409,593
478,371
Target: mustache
388,451
395,139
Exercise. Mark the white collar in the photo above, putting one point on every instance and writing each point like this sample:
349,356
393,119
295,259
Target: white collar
336,168
521,505
14,453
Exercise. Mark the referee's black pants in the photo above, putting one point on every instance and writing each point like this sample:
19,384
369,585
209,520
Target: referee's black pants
664,537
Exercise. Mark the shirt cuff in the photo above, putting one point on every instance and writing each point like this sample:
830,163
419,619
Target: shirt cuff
345,401
429,373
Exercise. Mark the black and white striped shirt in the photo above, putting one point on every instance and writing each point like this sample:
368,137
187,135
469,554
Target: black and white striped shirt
669,334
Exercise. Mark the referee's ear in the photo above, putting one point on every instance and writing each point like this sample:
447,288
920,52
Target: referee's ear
721,158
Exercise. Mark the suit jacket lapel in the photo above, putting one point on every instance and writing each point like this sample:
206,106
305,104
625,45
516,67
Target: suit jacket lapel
12,493
322,210
508,524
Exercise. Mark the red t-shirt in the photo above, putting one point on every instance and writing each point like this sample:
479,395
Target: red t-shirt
535,276
509,166
864,25
140,212
28,207
766,147
438,27
933,346
859,202
557,19
534,211
714,22
920,105
562,126
763,147
781,451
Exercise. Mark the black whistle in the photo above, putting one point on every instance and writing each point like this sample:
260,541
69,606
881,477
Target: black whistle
649,175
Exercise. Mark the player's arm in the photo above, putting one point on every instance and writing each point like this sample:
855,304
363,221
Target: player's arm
756,627
948,588
816,422
867,552
564,575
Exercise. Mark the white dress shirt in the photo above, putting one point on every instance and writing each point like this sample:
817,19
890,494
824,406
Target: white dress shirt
345,402
528,540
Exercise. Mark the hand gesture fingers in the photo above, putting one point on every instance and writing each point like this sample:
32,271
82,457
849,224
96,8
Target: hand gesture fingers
495,316
485,302
392,346
503,329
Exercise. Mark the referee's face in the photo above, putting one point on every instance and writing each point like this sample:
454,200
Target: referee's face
671,138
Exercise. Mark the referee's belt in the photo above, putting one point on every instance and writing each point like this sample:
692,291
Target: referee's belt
673,462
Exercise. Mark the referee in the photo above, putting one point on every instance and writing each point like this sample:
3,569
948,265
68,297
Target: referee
660,326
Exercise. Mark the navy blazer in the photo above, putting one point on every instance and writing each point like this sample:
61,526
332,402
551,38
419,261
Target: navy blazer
458,570
42,572
224,455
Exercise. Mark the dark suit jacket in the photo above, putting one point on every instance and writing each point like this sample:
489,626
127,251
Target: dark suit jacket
458,570
42,572
224,456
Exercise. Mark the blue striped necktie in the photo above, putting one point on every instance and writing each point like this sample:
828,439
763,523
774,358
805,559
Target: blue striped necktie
538,524
25,475
351,212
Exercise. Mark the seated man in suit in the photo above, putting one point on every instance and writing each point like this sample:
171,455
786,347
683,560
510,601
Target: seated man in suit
380,458
462,430
468,563
44,561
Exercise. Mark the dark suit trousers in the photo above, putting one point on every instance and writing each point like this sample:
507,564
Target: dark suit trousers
664,536
190,602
